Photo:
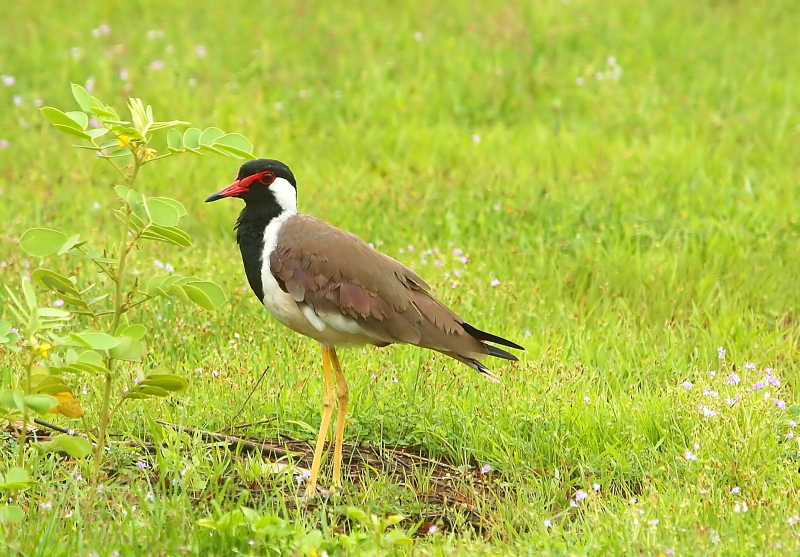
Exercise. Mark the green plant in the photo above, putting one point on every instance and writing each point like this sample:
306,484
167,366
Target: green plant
98,336
15,480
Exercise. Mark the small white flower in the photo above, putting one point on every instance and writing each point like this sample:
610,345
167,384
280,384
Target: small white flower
687,385
654,522
579,81
689,455
157,65
475,138
707,412
547,523
720,353
418,36
8,80
735,489
580,495
596,487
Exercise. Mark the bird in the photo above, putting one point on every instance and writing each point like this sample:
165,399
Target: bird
331,286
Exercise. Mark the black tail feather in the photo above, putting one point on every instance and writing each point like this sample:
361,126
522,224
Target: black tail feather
500,353
489,337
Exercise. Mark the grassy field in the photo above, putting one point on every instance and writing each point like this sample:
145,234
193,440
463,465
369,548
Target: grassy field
622,178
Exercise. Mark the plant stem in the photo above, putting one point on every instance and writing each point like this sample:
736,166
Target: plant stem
23,434
119,308
105,418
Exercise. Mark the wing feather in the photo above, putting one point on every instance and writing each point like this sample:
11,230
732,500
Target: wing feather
338,274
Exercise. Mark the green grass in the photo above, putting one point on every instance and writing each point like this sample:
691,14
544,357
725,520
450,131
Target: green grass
635,224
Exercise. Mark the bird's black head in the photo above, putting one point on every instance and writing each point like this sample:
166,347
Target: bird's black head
262,182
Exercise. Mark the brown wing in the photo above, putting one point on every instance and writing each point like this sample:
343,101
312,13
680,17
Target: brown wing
336,272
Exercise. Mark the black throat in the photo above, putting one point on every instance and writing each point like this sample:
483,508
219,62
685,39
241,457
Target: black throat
250,229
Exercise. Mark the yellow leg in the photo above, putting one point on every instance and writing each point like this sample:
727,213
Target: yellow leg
343,394
327,412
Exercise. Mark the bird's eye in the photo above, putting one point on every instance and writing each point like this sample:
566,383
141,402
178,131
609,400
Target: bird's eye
267,178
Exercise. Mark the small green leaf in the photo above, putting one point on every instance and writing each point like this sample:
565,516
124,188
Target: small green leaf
156,126
174,202
169,235
53,313
17,477
41,242
354,513
110,144
76,447
166,381
5,327
174,140
129,349
210,135
135,331
132,197
124,152
70,243
41,404
96,133
198,297
211,293
89,357
160,212
214,150
11,514
191,138
134,395
72,131
95,340
57,117
13,400
85,100
152,391
79,118
235,144
29,293
153,287
49,384
50,280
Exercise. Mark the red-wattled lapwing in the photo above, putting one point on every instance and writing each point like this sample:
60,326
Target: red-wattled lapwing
330,285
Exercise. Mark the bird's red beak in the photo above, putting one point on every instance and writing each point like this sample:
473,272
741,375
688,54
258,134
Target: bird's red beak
239,186
233,190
